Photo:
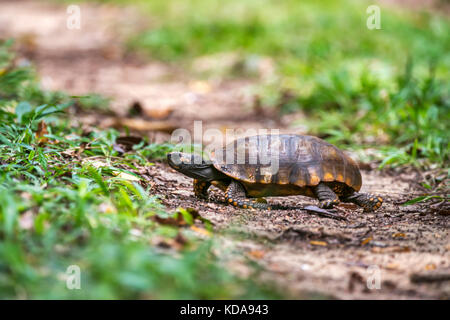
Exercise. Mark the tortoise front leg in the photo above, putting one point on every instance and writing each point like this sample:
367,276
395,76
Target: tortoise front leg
236,196
368,201
201,188
327,198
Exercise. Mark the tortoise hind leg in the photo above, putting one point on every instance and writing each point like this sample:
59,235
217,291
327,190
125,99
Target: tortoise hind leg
236,195
327,198
366,200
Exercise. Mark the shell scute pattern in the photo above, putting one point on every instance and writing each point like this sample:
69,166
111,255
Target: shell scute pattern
301,161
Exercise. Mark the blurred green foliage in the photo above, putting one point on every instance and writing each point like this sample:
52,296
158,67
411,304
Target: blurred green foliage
63,202
388,88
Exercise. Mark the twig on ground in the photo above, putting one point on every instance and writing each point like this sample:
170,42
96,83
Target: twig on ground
429,277
324,213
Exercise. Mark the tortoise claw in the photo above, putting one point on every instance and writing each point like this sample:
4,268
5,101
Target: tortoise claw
373,203
329,203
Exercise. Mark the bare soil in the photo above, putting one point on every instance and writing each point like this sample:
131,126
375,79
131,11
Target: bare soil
307,255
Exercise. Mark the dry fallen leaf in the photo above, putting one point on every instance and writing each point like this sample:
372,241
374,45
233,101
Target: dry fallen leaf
160,113
391,249
41,132
430,266
257,254
201,87
366,241
318,243
125,176
179,221
201,231
392,266
138,124
399,235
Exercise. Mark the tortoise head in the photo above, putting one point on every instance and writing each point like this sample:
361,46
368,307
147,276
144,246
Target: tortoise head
191,165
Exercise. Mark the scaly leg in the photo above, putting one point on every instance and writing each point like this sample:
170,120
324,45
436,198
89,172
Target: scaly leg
327,198
235,195
368,201
201,188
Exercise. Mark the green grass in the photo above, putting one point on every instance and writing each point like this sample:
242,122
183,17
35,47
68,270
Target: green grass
67,197
358,88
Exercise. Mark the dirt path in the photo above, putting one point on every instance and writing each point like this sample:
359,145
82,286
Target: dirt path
303,252
92,59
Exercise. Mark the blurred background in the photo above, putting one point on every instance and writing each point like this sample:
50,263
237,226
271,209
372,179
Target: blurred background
372,77
311,66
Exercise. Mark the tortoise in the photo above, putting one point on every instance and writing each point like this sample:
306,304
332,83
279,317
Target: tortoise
307,166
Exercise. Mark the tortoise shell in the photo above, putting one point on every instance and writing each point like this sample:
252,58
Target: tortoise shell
285,164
